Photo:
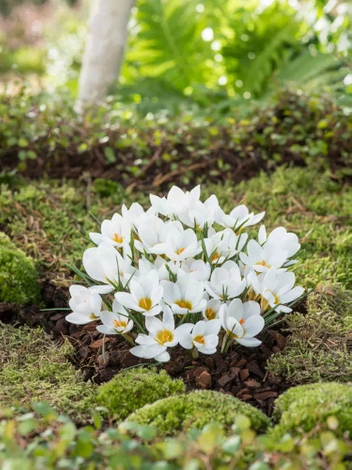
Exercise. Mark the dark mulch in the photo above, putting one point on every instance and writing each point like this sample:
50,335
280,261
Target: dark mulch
242,373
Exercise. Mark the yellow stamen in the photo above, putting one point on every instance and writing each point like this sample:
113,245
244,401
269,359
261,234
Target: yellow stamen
264,304
117,238
215,257
199,339
178,252
119,323
263,263
184,304
241,321
164,336
145,303
210,314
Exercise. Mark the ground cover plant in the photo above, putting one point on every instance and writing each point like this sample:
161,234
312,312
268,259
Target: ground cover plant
40,135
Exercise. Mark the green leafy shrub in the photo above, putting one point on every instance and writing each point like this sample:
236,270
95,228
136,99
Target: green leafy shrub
297,129
318,345
18,274
131,390
195,410
49,441
34,368
302,408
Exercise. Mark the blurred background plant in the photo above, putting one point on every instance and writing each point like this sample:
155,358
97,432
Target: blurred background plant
188,54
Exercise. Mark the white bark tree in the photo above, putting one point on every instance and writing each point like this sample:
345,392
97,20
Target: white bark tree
104,49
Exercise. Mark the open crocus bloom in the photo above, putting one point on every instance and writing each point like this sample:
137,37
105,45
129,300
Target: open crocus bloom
242,321
262,258
176,202
116,231
85,304
203,336
226,282
182,245
281,238
223,245
116,321
276,289
162,335
106,265
145,295
185,295
211,309
239,217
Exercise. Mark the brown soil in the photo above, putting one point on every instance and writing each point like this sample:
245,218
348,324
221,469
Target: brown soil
242,373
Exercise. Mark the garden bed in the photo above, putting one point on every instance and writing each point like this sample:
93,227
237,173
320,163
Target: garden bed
241,373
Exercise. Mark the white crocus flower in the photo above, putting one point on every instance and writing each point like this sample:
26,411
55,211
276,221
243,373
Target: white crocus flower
151,235
198,267
162,335
182,245
203,336
176,202
106,265
116,231
199,214
280,238
223,245
275,289
85,304
136,214
238,218
262,258
115,322
185,295
211,309
242,321
226,282
145,295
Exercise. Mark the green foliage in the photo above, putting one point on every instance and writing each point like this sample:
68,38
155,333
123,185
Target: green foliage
169,32
24,60
318,345
306,407
297,128
194,410
33,369
259,47
18,274
48,441
130,390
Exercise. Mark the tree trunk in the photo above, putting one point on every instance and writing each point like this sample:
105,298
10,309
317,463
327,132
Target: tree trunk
104,50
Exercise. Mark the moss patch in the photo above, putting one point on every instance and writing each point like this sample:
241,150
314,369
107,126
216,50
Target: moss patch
131,390
18,274
51,218
195,410
33,368
302,408
319,346
314,206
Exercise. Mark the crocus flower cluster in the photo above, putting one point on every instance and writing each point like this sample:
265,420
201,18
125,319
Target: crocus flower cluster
185,273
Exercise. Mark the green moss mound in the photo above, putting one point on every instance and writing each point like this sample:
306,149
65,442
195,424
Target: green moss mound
18,274
33,368
318,347
132,389
195,410
304,407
